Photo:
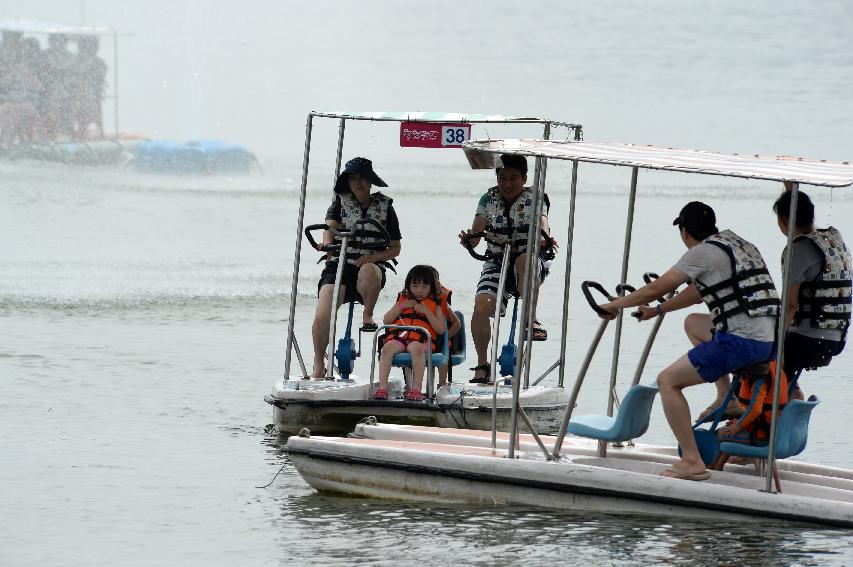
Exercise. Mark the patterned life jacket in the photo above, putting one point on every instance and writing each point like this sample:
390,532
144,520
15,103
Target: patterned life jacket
351,212
826,301
759,429
515,226
749,290
413,318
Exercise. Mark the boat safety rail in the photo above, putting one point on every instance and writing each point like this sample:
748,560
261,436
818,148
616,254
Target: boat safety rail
547,252
429,353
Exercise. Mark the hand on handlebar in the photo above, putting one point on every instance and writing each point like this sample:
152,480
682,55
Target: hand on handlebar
611,312
470,243
543,243
644,313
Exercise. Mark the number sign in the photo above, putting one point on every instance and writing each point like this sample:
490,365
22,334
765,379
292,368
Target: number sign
431,135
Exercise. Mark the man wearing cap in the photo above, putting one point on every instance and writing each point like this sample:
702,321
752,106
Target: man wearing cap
507,210
364,272
730,276
819,294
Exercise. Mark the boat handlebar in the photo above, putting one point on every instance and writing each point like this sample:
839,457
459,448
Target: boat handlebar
547,250
586,286
357,234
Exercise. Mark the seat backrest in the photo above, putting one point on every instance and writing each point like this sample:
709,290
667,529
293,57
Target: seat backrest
634,412
458,346
793,430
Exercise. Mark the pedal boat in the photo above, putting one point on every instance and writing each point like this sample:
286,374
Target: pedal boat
596,470
336,404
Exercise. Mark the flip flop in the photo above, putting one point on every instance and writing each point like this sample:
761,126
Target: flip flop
672,473
369,327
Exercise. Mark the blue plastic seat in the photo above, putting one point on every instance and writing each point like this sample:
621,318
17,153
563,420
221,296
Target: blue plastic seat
458,345
791,433
631,422
440,358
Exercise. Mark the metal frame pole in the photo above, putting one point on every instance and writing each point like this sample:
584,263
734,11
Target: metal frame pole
298,247
626,252
780,333
531,256
496,330
333,318
534,266
341,128
573,398
568,277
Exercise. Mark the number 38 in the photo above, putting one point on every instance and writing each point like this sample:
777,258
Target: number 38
454,136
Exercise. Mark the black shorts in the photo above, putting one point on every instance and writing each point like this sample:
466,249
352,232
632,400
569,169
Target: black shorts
807,353
349,279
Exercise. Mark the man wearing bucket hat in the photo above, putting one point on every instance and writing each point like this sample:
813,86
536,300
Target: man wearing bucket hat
364,272
730,276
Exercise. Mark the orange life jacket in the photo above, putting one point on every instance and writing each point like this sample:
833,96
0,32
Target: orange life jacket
758,426
413,318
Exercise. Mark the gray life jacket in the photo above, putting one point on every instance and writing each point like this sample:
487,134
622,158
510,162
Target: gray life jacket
513,222
749,290
351,212
826,301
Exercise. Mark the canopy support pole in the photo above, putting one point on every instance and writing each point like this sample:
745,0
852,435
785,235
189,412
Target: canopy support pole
341,128
534,266
531,259
780,334
297,253
626,252
568,277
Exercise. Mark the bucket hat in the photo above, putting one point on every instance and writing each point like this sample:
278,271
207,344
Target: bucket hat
357,166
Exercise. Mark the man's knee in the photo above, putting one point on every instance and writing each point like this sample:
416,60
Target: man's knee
698,325
484,306
369,274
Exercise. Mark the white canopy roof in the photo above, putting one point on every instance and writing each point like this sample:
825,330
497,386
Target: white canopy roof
419,116
772,168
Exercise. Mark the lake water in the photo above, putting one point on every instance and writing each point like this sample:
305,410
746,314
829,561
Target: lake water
143,318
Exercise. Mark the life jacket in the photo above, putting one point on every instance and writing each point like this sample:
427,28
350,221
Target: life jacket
750,386
413,318
445,294
351,212
750,288
826,301
513,223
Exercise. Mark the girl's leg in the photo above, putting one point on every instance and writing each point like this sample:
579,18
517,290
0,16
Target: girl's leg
391,348
416,349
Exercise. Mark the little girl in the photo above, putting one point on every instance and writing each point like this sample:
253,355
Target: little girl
419,305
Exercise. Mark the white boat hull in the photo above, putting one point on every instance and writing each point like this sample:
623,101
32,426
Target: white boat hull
626,481
336,407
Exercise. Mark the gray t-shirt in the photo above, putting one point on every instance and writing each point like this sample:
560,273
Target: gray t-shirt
711,265
806,263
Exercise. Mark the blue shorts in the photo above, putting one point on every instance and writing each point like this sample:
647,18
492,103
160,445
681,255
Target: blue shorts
726,352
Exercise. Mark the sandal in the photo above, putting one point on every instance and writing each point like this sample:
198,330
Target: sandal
487,376
539,332
369,328
414,395
381,394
